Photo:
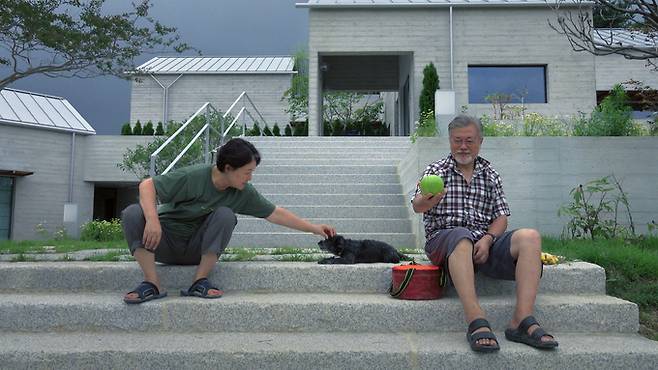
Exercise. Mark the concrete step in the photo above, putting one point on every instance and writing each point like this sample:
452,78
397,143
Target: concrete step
329,188
342,225
316,178
327,169
358,150
320,154
566,278
402,350
356,160
305,240
336,199
300,312
349,211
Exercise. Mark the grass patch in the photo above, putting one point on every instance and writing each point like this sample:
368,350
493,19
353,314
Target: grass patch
114,256
298,258
631,269
22,258
288,250
61,246
239,255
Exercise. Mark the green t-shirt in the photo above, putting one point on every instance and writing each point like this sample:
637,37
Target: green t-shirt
188,195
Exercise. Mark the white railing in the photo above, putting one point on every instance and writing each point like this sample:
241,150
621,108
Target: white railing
207,153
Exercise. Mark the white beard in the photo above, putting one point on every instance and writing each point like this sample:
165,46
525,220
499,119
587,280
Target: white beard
464,159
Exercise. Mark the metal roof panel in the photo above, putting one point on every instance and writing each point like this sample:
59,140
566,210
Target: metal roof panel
218,65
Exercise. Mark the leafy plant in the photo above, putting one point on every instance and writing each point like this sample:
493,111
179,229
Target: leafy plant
499,102
493,127
102,231
613,117
267,131
276,131
594,210
288,130
297,94
534,124
159,131
425,127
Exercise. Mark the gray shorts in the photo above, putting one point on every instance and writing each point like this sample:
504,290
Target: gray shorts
212,236
499,265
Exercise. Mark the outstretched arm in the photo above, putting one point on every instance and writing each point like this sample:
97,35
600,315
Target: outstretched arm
284,217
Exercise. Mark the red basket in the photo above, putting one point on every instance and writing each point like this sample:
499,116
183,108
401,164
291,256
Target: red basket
416,282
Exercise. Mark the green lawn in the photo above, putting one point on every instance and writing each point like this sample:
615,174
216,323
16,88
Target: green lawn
61,246
631,271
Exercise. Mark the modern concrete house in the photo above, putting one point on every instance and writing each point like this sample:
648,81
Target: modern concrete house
166,89
42,146
479,47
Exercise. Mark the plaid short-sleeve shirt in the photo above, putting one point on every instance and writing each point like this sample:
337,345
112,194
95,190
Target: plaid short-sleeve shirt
473,206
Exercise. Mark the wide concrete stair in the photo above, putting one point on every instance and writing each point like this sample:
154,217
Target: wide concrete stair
350,183
296,315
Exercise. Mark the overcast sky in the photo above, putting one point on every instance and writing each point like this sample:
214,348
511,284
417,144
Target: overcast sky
216,27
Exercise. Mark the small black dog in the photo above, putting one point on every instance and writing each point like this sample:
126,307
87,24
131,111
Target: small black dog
350,251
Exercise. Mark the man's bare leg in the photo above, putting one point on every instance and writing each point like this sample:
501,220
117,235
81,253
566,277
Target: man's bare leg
206,265
146,262
462,275
526,249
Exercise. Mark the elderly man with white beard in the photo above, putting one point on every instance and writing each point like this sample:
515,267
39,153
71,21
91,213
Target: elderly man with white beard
466,232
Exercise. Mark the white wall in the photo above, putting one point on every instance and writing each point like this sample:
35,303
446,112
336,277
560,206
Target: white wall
539,172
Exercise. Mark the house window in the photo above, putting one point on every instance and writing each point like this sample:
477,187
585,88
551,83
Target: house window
522,84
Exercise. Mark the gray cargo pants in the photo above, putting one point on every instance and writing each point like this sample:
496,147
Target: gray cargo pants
212,237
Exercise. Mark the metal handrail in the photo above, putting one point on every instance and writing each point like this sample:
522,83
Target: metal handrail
206,128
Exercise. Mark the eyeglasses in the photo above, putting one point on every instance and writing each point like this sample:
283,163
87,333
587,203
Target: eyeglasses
460,142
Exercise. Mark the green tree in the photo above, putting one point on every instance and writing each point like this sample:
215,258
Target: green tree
159,131
613,117
618,16
65,38
276,131
297,94
137,129
267,131
430,85
126,129
148,129
288,130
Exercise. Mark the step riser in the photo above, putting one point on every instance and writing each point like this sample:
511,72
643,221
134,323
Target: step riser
329,161
319,178
326,169
579,278
322,189
336,199
338,155
300,240
226,314
342,225
349,212
293,360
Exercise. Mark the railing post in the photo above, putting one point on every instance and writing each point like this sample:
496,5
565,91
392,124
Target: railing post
206,144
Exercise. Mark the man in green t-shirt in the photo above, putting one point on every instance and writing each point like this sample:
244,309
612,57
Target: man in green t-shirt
196,217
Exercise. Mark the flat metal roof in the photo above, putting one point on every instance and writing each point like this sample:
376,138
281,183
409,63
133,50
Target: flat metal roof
219,65
24,108
619,37
422,3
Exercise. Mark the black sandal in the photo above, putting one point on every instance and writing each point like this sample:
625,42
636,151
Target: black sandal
200,288
520,335
473,338
146,291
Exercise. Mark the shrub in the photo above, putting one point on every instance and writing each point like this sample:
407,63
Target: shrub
137,130
430,85
159,130
535,124
126,129
425,127
102,231
613,117
492,127
267,131
288,130
275,130
148,129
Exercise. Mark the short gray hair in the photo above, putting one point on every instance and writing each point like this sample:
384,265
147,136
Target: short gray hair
464,120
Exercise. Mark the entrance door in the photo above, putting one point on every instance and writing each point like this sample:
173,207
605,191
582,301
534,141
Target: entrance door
6,191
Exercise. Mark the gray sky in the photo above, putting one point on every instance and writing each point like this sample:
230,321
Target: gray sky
216,27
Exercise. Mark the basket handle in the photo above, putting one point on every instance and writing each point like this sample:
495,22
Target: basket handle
403,285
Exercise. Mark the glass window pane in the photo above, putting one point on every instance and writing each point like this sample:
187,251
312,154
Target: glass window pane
525,84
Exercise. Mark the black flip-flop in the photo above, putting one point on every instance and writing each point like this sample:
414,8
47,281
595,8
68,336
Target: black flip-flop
146,291
473,338
200,289
520,335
